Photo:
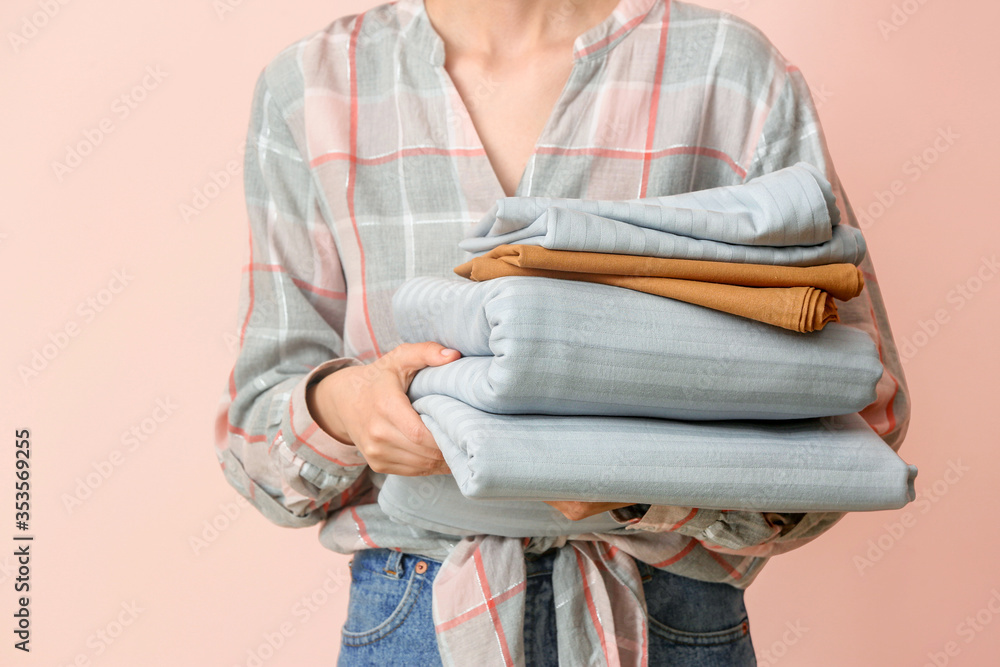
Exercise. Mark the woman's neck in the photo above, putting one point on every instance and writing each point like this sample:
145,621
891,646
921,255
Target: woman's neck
492,29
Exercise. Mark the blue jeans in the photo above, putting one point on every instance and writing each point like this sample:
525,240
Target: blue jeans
691,623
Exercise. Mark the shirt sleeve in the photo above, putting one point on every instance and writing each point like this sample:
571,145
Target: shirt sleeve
292,307
792,133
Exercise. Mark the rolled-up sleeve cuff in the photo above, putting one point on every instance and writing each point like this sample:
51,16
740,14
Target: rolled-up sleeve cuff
305,437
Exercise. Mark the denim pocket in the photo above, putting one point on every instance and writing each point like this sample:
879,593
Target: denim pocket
710,638
695,622
381,601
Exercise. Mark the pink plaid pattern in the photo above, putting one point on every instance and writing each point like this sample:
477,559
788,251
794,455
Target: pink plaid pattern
363,169
479,604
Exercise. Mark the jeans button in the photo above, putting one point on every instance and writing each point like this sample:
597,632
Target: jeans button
421,567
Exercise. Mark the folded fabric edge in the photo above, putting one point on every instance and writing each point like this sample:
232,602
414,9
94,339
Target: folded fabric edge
825,187
434,507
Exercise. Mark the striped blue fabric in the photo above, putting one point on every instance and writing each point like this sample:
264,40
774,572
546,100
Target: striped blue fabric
546,346
790,206
788,217
437,504
831,464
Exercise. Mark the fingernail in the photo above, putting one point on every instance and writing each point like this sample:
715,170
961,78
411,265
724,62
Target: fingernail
446,351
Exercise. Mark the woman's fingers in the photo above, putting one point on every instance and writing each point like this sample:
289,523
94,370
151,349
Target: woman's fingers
391,459
575,510
392,442
377,416
398,441
396,410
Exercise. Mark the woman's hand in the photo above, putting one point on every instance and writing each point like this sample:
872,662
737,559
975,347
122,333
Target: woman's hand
576,510
367,406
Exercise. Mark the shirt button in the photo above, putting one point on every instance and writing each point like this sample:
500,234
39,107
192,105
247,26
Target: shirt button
421,567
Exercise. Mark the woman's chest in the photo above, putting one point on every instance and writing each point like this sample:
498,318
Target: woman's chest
509,105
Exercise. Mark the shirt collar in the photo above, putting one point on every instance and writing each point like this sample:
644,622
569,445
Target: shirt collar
420,35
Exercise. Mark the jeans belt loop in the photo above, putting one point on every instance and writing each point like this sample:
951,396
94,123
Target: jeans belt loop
394,564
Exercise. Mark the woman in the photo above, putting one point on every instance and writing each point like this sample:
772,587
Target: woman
373,144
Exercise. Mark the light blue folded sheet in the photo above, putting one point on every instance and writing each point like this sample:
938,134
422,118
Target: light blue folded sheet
788,217
435,503
830,464
546,346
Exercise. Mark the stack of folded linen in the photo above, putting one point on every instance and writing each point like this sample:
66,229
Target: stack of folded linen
791,297
771,250
573,388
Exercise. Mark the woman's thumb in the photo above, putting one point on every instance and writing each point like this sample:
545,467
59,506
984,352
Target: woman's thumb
422,355
438,355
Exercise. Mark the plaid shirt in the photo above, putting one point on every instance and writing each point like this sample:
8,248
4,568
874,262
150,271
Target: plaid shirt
363,169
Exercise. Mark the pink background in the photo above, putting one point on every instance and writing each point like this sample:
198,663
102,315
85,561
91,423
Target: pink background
888,588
